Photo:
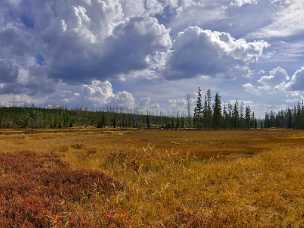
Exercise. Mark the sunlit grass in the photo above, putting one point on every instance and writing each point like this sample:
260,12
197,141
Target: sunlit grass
180,178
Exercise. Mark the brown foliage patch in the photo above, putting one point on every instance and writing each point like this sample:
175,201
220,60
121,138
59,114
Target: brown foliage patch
36,190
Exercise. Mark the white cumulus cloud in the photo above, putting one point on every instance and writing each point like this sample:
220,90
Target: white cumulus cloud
205,52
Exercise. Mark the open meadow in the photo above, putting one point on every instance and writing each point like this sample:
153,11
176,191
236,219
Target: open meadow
154,178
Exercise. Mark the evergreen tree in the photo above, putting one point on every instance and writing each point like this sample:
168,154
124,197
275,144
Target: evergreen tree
242,123
289,118
217,111
148,123
226,119
248,117
230,116
101,122
198,109
236,115
208,109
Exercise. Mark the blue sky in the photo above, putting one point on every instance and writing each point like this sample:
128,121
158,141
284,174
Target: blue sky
146,55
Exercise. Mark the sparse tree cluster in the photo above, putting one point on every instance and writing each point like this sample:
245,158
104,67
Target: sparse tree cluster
217,115
290,118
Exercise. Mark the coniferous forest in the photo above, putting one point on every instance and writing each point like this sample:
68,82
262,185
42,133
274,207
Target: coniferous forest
30,117
292,118
209,113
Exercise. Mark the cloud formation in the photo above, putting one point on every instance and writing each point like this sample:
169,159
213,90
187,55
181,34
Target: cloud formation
77,52
287,21
241,3
277,77
94,95
296,82
204,52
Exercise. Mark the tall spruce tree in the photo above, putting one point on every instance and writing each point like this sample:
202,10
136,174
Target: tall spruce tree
217,111
289,119
225,117
248,117
207,110
236,115
198,109
242,116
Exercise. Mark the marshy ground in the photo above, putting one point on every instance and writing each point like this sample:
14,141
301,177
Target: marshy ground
156,178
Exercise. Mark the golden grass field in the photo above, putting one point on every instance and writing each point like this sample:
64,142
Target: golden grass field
151,178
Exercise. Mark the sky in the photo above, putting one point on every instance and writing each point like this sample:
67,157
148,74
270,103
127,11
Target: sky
147,55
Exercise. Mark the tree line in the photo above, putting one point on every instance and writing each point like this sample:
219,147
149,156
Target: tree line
208,113
31,117
211,113
292,118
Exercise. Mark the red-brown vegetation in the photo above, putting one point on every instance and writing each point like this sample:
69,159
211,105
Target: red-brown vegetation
37,190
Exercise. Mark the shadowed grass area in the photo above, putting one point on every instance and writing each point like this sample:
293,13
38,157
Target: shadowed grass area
153,178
